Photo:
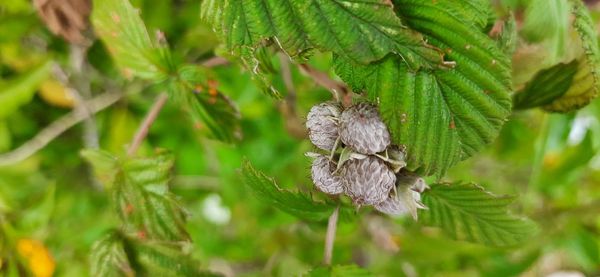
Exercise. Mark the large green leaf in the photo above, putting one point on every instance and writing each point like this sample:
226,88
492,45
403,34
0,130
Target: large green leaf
121,28
546,86
19,91
586,82
141,194
444,115
362,31
294,203
468,212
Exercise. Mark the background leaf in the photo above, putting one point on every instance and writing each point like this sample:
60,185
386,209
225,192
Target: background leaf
19,91
218,114
143,200
547,86
118,255
162,260
468,212
108,258
294,203
339,271
119,25
141,194
587,79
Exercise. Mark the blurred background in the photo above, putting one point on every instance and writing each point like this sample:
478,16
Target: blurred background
52,209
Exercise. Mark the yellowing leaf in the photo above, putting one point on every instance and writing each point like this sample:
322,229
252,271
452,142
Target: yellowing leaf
55,94
39,260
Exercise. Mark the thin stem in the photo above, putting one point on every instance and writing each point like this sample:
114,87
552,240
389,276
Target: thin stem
330,236
142,132
159,103
58,127
339,90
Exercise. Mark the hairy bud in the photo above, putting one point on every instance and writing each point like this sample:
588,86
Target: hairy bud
322,174
368,181
362,130
322,125
406,199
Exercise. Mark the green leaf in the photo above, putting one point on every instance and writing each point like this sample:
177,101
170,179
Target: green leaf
445,115
156,259
294,203
339,271
508,38
143,200
37,216
547,21
5,136
140,192
105,165
119,25
468,212
586,81
206,104
19,91
118,255
362,31
546,86
108,257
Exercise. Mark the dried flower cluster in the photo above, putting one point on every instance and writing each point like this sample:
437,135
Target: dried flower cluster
360,161
67,18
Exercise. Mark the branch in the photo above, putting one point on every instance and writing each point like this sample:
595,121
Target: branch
78,115
339,90
293,124
330,236
215,61
58,127
159,103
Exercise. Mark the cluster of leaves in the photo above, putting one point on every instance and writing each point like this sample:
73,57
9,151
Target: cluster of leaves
120,27
153,235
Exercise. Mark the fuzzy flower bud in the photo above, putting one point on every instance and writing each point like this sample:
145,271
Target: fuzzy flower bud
362,130
322,175
322,125
368,181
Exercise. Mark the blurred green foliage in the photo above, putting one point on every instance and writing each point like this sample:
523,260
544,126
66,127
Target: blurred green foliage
550,161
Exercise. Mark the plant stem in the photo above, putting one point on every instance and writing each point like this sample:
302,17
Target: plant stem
330,236
58,127
148,120
339,90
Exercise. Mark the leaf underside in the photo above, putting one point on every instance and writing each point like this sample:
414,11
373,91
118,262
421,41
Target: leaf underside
467,212
586,82
442,115
547,86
